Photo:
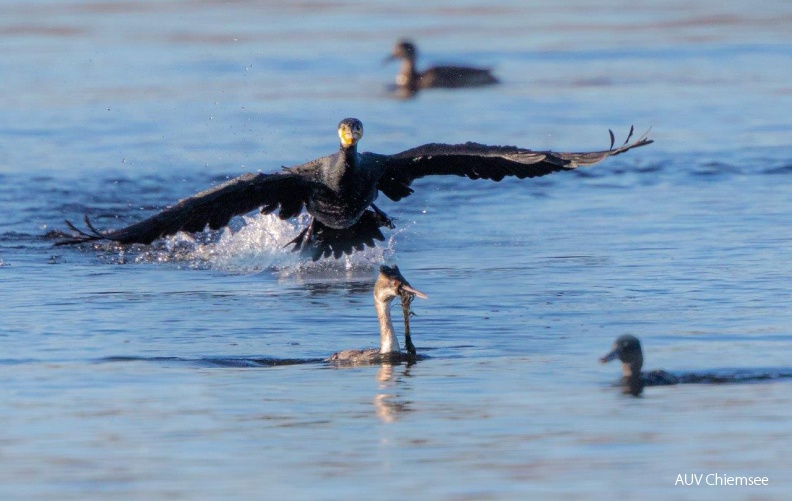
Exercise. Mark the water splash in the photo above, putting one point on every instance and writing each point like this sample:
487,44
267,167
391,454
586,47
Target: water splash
261,243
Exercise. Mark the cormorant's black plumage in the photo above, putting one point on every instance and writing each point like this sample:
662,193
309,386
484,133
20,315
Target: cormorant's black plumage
627,349
410,80
338,191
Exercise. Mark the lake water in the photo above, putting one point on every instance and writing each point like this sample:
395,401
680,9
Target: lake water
137,374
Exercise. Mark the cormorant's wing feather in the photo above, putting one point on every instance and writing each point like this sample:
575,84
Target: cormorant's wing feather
213,208
479,161
319,240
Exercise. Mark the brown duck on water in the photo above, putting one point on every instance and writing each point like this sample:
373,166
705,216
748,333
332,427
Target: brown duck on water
339,190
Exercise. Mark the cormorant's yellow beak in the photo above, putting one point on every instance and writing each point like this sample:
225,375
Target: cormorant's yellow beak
349,136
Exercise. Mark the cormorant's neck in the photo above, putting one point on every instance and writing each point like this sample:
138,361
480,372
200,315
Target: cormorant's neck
336,171
348,154
407,74
633,385
632,369
388,341
632,382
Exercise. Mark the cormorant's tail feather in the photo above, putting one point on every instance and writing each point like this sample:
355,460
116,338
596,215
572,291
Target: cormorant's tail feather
319,240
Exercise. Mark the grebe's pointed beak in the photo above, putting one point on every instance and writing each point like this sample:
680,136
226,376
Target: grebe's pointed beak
415,292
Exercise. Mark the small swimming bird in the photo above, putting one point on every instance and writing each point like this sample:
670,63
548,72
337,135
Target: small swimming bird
390,284
338,191
627,348
437,76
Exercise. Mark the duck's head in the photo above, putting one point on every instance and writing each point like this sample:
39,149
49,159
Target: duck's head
392,284
404,49
627,348
350,130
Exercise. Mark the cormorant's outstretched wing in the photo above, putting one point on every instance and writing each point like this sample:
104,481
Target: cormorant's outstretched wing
479,161
214,208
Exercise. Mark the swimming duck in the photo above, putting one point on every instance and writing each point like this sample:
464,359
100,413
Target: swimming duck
390,284
411,80
338,191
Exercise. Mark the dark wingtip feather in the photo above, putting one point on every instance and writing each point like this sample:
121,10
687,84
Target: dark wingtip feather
319,241
71,225
91,227
82,235
632,129
641,141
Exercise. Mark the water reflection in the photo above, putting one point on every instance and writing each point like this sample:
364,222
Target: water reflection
229,362
355,287
389,405
384,372
389,401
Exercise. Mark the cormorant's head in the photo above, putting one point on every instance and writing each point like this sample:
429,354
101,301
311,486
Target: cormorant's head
392,284
350,130
404,49
627,348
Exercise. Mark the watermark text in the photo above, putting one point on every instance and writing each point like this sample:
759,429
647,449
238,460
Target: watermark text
713,479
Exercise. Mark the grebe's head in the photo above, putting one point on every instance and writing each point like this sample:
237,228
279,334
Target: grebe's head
627,348
391,284
350,130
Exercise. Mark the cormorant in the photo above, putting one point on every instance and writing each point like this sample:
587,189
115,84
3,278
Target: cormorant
411,81
627,348
389,285
338,191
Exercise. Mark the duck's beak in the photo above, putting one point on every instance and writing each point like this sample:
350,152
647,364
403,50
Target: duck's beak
612,355
405,286
391,57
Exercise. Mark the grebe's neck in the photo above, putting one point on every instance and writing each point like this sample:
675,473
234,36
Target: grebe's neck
388,341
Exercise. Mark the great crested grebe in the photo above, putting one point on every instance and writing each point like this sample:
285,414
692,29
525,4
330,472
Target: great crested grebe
338,191
389,285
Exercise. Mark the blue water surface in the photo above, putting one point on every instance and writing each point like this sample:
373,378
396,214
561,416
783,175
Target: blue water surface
144,372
